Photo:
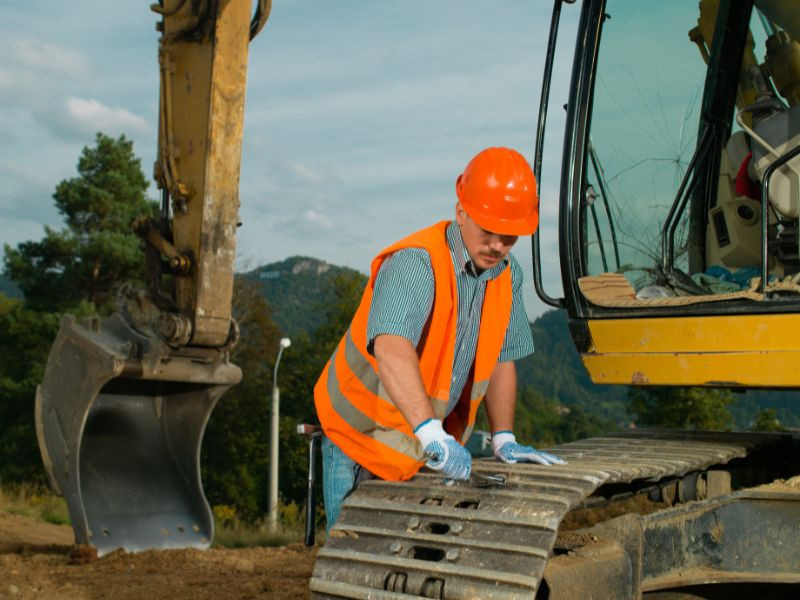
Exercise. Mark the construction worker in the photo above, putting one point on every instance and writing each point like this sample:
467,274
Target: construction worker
438,329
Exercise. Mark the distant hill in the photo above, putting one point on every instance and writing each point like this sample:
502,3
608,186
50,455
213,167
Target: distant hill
296,288
555,370
9,288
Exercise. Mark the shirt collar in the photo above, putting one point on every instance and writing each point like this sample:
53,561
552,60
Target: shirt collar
461,259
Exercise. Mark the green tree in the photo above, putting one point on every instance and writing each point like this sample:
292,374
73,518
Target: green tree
766,420
536,418
578,424
308,355
97,249
75,269
236,444
681,408
348,288
544,422
301,367
25,339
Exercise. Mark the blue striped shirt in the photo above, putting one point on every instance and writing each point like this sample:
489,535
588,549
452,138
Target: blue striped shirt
403,297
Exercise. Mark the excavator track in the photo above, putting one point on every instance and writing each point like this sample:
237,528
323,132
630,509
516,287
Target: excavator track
479,539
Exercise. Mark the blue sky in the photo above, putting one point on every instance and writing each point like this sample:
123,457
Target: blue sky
359,117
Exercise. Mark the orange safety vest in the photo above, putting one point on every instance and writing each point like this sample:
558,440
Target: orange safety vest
353,407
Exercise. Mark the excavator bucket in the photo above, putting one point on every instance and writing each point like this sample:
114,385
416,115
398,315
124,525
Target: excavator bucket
120,418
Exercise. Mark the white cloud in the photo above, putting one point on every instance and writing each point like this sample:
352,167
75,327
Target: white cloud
49,58
307,174
312,217
79,118
32,70
94,115
308,223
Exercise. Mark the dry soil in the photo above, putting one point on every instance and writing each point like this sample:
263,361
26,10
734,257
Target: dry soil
38,560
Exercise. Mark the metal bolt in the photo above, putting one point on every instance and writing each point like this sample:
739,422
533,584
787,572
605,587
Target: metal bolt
396,548
413,522
456,528
451,554
166,326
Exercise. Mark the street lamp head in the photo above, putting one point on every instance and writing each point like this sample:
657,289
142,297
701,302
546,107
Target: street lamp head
285,342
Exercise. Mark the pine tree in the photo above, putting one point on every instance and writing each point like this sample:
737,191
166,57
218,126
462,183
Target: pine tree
97,249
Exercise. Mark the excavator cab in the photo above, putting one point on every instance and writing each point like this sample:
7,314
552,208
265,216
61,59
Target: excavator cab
124,402
680,188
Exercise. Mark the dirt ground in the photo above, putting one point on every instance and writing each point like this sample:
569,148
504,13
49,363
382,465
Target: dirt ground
37,560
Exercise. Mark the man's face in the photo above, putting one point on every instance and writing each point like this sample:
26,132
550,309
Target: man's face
485,248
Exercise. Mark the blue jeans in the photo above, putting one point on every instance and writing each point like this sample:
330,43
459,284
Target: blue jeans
340,476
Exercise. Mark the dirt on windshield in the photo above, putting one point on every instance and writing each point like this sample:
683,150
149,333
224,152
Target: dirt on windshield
38,560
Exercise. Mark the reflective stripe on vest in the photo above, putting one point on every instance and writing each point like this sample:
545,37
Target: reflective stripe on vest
363,370
355,410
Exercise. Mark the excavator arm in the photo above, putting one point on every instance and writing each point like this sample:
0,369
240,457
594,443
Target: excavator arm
124,401
203,68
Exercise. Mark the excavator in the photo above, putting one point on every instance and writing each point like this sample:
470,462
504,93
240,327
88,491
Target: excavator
678,242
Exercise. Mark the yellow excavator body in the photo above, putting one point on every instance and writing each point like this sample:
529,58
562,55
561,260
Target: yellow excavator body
747,351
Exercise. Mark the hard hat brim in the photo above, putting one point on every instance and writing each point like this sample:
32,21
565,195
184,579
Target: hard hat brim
517,227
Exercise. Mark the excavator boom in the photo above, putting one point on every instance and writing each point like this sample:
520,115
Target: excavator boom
203,70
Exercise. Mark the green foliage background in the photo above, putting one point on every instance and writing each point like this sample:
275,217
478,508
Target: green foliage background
78,268
96,250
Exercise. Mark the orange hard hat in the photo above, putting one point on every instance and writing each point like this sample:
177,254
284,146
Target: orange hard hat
498,191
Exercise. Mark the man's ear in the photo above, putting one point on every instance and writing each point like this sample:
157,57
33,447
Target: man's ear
461,214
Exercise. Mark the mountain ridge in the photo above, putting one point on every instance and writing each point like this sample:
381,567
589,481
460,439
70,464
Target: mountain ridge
295,287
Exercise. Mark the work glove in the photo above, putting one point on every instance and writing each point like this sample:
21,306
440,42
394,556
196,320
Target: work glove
506,448
444,453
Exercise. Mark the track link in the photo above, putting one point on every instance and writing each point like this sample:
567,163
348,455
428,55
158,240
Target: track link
424,538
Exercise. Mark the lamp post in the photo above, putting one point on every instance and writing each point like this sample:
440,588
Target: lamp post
272,515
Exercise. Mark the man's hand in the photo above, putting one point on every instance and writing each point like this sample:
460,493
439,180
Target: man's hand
444,452
507,449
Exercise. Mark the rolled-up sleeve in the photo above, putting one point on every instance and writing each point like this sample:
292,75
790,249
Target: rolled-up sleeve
518,342
402,297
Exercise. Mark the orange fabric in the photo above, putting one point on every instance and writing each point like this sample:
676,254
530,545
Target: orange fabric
387,446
